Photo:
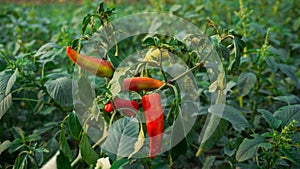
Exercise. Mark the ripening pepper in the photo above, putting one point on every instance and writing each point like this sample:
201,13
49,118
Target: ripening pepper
128,107
154,115
108,107
101,68
141,83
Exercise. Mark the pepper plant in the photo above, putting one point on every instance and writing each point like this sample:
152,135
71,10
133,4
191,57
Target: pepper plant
126,99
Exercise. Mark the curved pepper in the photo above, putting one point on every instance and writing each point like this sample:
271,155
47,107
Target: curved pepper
128,107
154,121
101,68
141,83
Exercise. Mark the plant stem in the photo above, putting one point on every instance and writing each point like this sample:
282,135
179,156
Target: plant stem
184,73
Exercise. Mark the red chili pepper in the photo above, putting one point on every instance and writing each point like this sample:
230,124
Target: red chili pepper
108,107
101,68
154,121
128,107
141,83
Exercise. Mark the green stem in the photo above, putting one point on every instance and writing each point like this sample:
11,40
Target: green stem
26,99
184,73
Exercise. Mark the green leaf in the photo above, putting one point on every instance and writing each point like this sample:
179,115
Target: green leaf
60,90
47,110
268,116
292,155
290,72
85,91
39,156
175,8
62,161
271,63
15,146
290,99
209,162
213,130
52,146
288,113
86,21
100,8
248,148
64,146
87,152
231,114
21,162
119,164
33,137
11,81
178,131
121,137
48,52
74,126
5,104
239,45
4,145
151,41
18,133
246,82
7,81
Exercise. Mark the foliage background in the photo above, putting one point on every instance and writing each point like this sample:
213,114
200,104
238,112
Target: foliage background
265,85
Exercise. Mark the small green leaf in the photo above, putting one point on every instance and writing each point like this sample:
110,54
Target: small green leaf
290,99
52,146
268,116
179,147
288,113
21,162
209,162
271,63
7,80
87,152
74,126
85,91
148,41
47,110
15,146
5,104
18,133
11,81
60,90
175,8
119,164
4,145
246,82
64,146
121,137
248,148
213,130
33,137
86,21
62,161
290,72
239,45
39,156
292,155
231,114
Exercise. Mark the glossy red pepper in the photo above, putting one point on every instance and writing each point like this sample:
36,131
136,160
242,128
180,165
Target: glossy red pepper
141,83
154,115
128,107
101,68
108,107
